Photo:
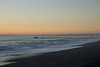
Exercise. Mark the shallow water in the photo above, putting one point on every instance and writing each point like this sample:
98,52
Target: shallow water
10,45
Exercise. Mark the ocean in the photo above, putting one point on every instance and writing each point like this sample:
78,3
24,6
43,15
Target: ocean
25,44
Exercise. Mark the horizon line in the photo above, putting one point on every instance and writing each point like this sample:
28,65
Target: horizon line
54,34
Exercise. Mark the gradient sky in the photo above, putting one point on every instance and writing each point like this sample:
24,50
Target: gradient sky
49,16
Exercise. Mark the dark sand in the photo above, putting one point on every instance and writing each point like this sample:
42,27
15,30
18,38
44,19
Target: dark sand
87,56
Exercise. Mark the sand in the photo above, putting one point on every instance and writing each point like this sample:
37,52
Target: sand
86,56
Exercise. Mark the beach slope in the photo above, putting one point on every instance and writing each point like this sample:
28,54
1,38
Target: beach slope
86,56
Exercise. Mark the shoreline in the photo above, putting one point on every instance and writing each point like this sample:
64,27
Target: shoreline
78,57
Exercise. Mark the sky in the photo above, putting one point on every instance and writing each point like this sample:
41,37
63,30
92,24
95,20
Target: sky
49,16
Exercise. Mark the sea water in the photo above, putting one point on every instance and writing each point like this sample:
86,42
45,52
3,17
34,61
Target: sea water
24,44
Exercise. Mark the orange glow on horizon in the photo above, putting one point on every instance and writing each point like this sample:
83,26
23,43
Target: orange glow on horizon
49,17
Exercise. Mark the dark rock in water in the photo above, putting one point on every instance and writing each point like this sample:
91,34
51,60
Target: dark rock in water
36,38
92,36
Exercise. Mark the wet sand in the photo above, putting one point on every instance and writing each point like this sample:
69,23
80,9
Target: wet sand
86,56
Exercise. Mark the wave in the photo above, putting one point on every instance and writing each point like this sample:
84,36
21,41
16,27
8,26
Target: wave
10,45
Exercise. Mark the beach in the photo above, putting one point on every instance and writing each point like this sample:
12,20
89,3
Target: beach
49,33
86,56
